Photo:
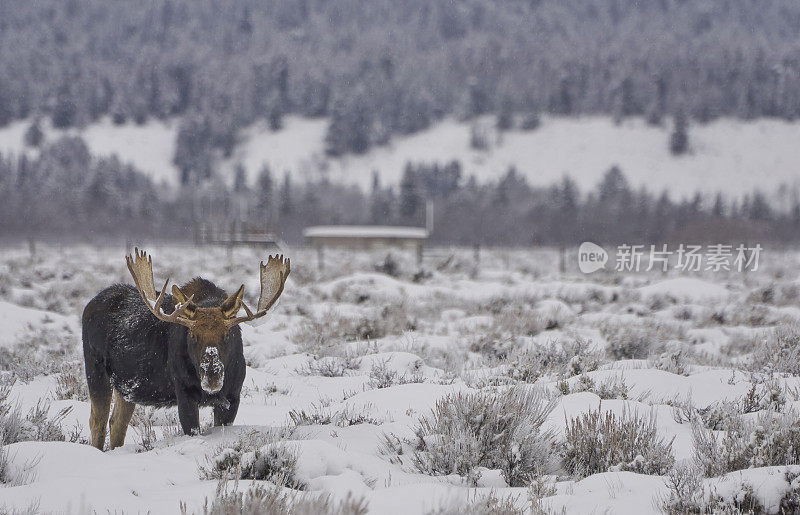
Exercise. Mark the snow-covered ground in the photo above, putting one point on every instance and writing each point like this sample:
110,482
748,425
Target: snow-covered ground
346,374
728,155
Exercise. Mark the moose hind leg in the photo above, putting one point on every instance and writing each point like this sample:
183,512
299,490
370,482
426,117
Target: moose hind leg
100,397
120,418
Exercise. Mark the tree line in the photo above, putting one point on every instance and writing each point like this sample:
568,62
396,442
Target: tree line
377,68
63,191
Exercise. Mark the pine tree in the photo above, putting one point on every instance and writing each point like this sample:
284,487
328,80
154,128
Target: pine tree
264,194
240,179
287,206
65,110
34,134
379,205
679,139
505,118
718,211
6,109
410,197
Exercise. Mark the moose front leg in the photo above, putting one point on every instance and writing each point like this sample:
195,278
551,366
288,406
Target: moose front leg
225,415
188,413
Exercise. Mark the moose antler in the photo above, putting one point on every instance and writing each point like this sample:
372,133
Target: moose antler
141,268
273,278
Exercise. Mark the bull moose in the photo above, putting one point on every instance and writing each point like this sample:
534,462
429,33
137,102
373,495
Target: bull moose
160,350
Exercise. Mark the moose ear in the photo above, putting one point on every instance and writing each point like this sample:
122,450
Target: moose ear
177,295
179,298
232,304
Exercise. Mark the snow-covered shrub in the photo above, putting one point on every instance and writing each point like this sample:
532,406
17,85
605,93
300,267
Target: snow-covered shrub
5,284
518,319
638,339
600,441
382,376
767,395
388,266
542,486
629,342
554,314
254,455
317,335
567,359
673,362
581,358
686,494
746,314
71,382
322,335
38,351
772,439
490,343
263,499
690,497
716,416
143,425
779,351
526,366
482,505
610,388
499,430
328,366
37,424
790,502
6,474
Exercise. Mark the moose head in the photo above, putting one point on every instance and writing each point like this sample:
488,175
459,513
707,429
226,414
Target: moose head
209,326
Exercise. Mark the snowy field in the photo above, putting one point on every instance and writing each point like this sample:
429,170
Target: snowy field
727,155
378,386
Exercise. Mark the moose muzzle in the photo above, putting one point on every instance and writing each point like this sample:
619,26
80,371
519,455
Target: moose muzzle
212,371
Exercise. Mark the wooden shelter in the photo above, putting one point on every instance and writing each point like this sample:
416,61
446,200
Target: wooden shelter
365,237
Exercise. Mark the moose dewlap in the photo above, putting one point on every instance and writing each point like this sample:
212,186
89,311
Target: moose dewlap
155,349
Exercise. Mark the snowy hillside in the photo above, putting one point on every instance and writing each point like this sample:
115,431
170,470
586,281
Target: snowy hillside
465,390
728,155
